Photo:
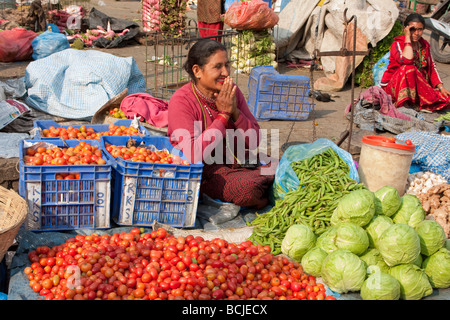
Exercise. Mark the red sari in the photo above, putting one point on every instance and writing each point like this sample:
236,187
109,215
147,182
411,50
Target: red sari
413,81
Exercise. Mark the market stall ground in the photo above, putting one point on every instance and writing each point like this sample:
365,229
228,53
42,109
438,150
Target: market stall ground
327,121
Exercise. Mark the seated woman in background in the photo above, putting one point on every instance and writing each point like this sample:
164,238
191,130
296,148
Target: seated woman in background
411,78
200,113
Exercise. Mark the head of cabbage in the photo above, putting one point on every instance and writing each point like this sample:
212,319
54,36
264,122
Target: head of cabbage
376,227
357,207
327,240
432,236
298,240
437,268
343,271
414,283
399,244
380,286
387,201
312,261
410,212
351,237
372,257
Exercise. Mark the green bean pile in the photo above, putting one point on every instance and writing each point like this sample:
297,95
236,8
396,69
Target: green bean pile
323,181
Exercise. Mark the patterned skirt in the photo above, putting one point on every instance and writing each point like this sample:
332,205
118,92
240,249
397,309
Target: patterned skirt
241,186
408,86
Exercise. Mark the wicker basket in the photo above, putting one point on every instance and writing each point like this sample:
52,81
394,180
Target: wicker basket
13,212
100,116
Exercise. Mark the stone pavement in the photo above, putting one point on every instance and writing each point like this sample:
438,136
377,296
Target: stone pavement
326,121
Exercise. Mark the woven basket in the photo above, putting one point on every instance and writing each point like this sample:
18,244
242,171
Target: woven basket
13,212
100,116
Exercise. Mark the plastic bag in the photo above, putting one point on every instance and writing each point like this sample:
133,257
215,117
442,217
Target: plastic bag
215,211
253,15
380,67
48,43
285,176
15,44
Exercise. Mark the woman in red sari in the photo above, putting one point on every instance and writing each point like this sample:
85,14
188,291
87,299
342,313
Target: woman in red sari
209,120
411,78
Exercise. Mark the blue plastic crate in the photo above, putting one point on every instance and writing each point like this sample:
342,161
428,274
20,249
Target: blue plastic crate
145,192
65,204
39,125
276,96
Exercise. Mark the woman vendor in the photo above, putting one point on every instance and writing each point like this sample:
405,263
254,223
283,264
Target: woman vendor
411,78
202,114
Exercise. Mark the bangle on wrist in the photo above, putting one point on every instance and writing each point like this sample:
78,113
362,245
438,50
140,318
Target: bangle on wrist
223,118
225,113
408,44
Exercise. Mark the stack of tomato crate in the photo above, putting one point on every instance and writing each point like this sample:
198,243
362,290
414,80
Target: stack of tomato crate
72,179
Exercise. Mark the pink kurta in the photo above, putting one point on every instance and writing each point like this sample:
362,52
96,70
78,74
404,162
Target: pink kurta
187,127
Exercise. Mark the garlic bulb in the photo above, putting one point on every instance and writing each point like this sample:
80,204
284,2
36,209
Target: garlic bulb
421,182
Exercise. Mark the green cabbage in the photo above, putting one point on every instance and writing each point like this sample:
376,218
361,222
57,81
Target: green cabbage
351,237
357,207
372,257
297,241
447,244
418,261
327,240
414,283
312,261
343,271
410,212
437,268
399,244
432,236
376,227
387,201
380,286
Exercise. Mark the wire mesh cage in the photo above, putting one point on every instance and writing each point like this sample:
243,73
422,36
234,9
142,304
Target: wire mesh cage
166,54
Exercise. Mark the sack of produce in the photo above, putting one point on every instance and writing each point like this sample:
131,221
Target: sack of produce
414,283
15,44
285,177
48,43
250,15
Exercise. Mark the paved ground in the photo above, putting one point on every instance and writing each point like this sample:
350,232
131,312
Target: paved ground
326,121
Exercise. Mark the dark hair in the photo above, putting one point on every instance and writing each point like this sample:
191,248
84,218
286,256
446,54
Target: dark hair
199,54
414,17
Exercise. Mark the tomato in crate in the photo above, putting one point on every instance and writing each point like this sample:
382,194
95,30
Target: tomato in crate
146,190
67,184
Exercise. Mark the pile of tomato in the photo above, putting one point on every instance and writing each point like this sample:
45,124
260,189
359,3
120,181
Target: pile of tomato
141,154
84,132
158,265
83,153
